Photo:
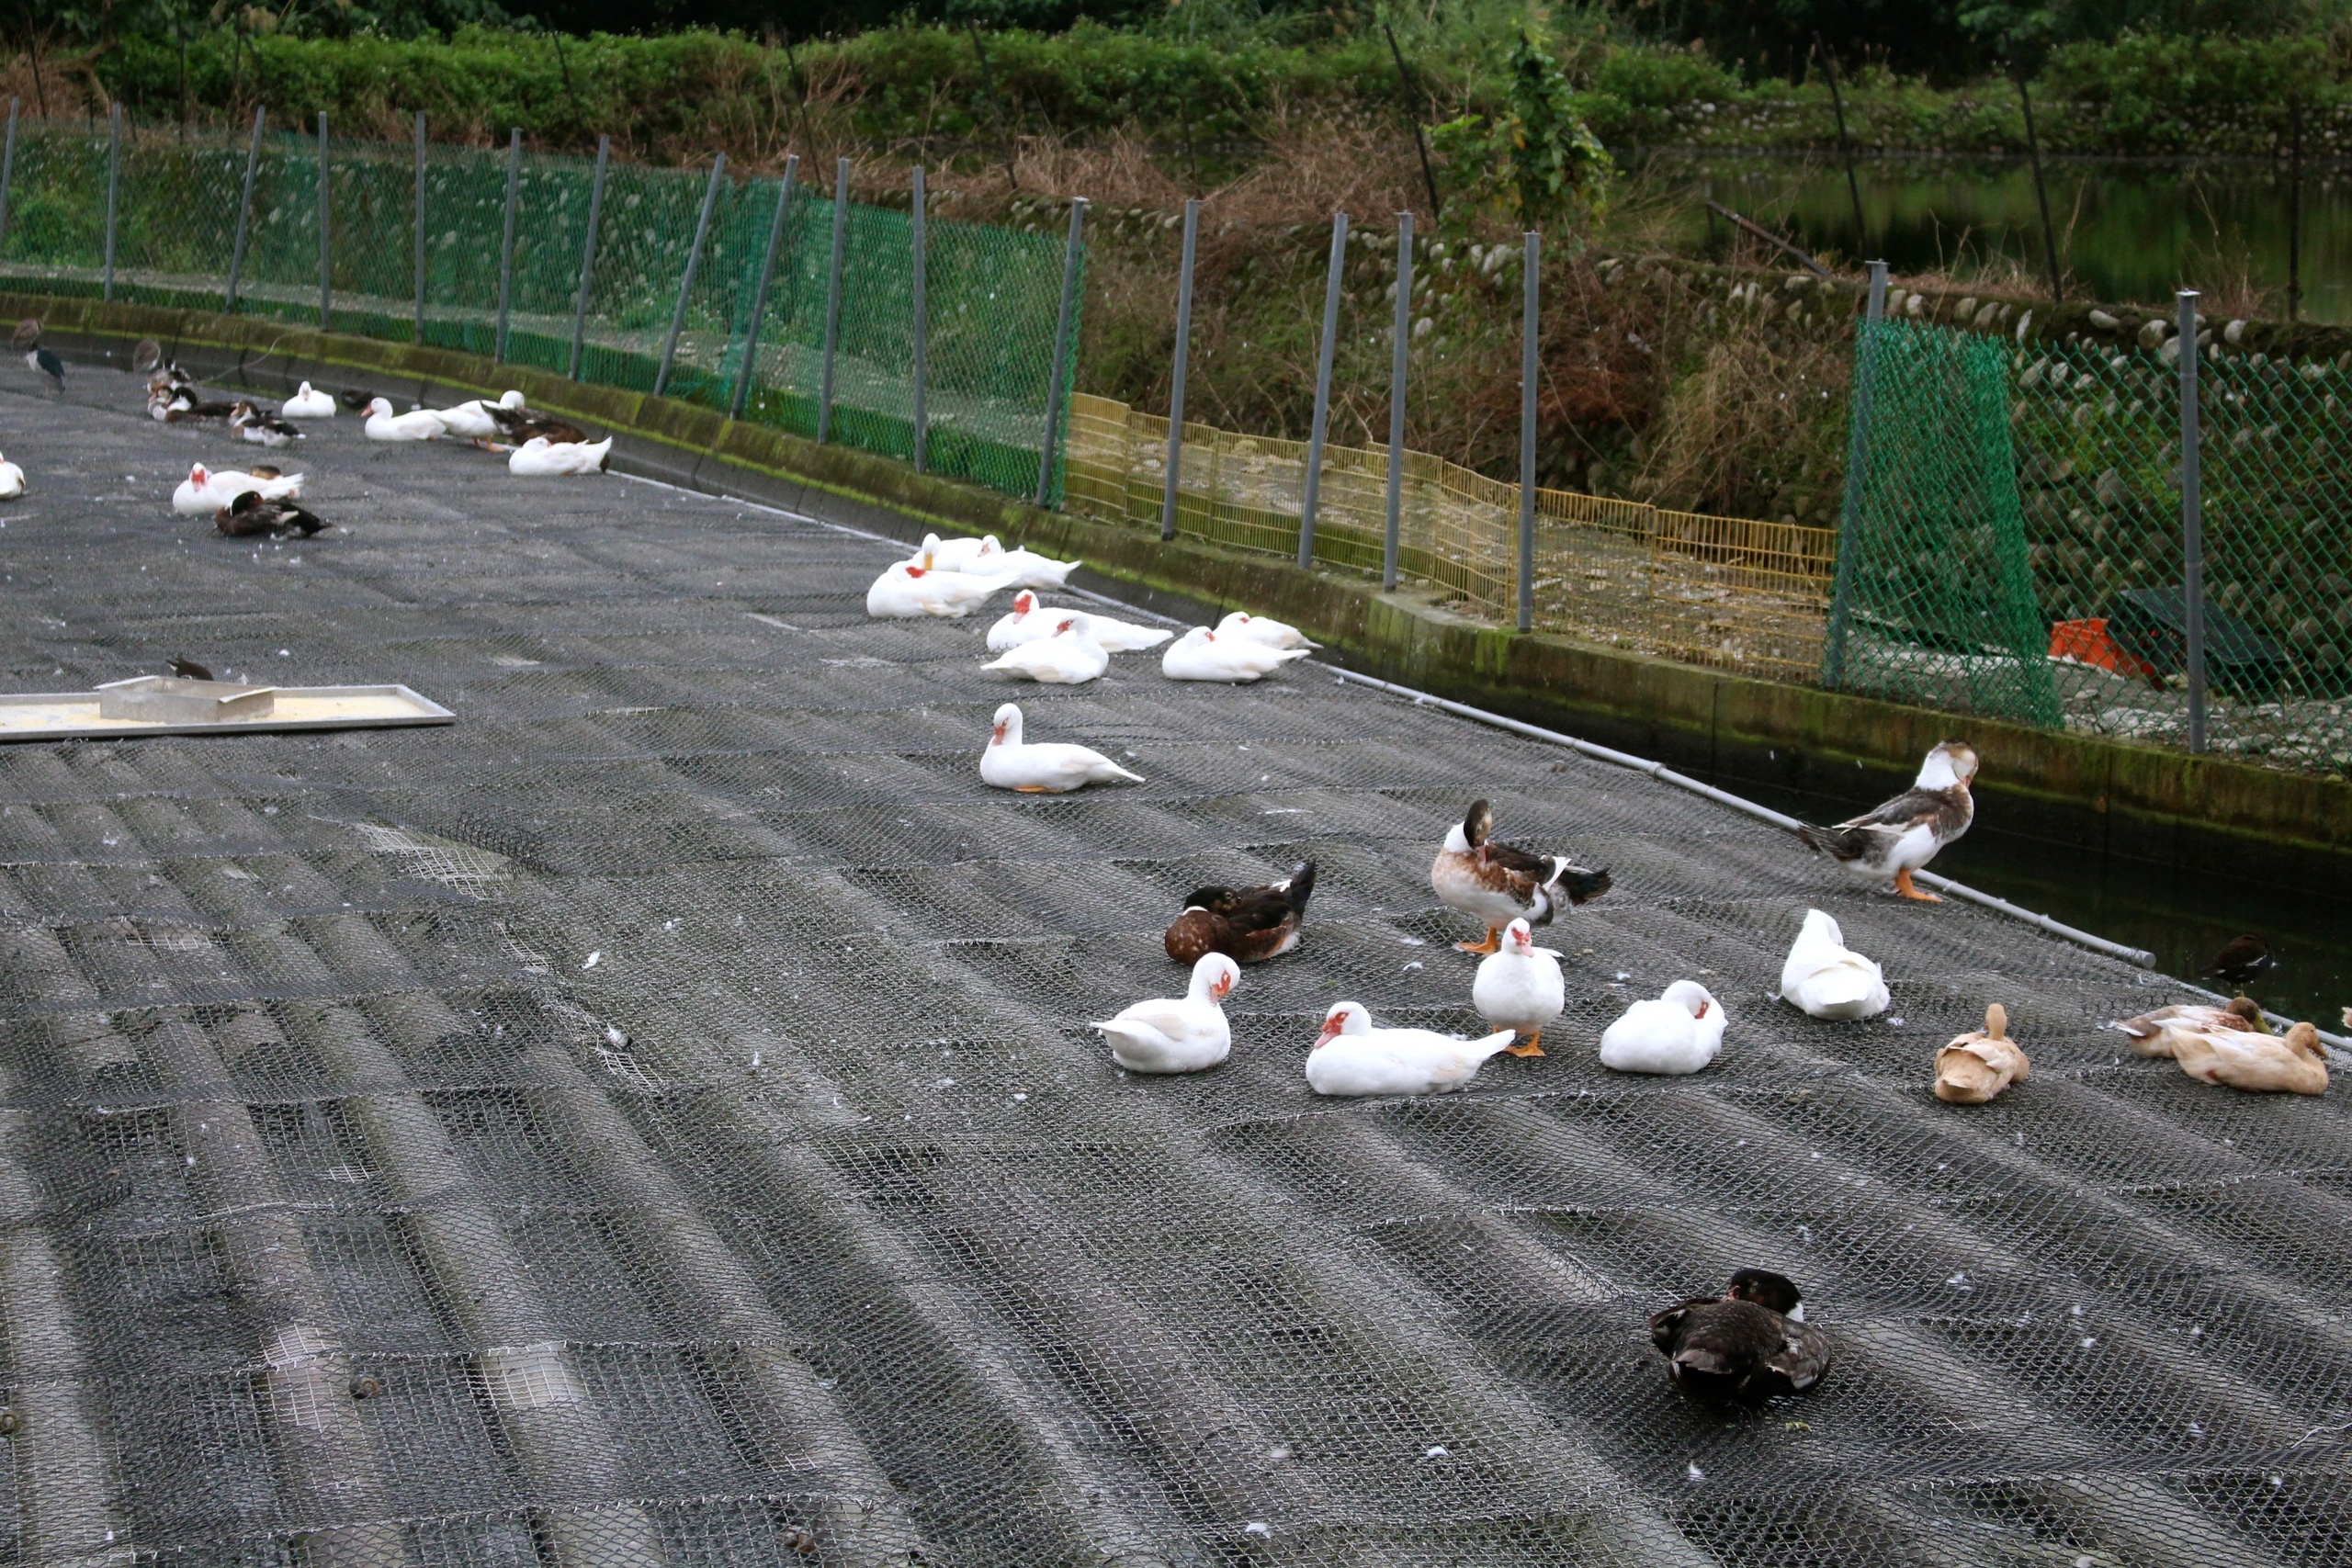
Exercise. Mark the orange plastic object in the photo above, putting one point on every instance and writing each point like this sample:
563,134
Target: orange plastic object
2087,642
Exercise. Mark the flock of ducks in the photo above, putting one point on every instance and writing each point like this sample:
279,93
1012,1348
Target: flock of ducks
264,501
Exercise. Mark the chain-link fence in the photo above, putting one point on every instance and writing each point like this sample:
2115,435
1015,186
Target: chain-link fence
1726,592
2016,542
416,247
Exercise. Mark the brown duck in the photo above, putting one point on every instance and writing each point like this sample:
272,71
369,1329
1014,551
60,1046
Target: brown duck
1904,834
1500,883
253,514
1747,1344
1247,925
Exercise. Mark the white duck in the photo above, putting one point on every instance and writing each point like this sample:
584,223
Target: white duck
1202,655
1030,618
12,480
960,555
1044,768
1680,1032
307,403
471,419
1518,987
417,424
1026,568
906,591
1258,628
1178,1035
1825,978
207,491
1070,657
538,457
1352,1057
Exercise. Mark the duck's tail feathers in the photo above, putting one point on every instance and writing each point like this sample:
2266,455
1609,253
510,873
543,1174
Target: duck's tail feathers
1301,887
1132,778
1494,1044
1838,843
1582,887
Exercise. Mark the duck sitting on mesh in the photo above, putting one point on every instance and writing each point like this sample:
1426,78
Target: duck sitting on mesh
1744,1347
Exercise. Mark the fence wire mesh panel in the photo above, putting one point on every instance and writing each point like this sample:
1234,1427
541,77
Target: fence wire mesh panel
653,1120
1719,591
2098,433
1935,590
994,293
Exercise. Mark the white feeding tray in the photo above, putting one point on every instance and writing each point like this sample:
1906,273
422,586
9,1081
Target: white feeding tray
155,704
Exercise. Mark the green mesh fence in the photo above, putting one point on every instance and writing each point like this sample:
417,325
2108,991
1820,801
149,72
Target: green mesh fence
1934,602
993,295
2014,542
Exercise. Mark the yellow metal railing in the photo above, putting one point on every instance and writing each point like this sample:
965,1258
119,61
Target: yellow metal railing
1719,591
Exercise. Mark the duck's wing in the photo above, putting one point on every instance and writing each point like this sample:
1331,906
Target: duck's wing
1667,1323
1802,1361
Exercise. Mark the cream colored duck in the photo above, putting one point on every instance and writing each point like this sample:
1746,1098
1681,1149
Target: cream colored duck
307,403
1045,767
1030,618
1352,1057
906,591
1259,628
1070,657
12,480
1827,979
2258,1061
1979,1064
538,457
1182,1034
1518,987
471,419
1202,655
207,491
2162,1032
1679,1032
417,424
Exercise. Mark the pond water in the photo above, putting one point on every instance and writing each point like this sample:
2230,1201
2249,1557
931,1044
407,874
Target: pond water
2129,230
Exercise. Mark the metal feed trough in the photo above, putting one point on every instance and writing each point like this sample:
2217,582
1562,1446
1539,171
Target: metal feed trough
654,1119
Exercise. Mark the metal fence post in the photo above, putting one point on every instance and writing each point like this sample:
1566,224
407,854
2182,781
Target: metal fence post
417,225
1531,299
833,301
687,279
326,205
1314,490
1398,357
918,244
113,182
1174,481
2192,521
1858,459
506,245
245,215
1072,250
759,296
588,252
8,172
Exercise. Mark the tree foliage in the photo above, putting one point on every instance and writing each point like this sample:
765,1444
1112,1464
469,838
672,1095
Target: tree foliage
1534,160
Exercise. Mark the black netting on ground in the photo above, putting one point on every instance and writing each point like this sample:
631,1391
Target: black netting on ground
652,1121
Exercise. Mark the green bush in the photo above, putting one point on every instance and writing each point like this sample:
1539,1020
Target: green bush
2155,93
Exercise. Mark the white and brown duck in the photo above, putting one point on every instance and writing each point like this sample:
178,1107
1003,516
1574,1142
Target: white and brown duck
1501,883
1746,1345
1248,925
2165,1030
1901,836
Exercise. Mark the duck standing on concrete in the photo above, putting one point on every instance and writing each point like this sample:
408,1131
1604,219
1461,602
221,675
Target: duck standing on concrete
1744,1347
28,342
1185,1034
1501,883
1518,987
1903,835
1979,1064
1825,978
1246,924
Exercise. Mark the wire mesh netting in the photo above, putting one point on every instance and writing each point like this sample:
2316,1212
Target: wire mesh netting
653,1120
993,294
2062,599
1720,591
